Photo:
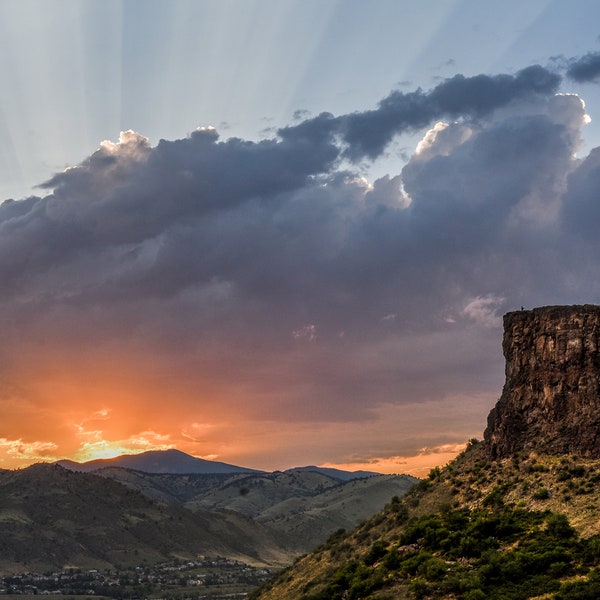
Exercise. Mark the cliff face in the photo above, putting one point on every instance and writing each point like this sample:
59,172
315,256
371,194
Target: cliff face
551,398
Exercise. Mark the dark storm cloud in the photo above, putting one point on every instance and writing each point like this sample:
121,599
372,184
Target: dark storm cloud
153,188
586,68
315,289
368,133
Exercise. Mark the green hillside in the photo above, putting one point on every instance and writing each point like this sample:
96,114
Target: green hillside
524,527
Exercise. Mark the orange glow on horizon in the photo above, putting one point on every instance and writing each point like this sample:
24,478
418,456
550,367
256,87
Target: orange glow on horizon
104,404
418,465
18,454
106,434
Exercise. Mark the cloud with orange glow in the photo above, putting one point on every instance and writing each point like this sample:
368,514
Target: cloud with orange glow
27,451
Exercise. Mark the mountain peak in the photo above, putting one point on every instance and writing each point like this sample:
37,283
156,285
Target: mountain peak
158,461
551,398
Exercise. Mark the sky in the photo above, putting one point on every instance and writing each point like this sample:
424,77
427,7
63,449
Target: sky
283,233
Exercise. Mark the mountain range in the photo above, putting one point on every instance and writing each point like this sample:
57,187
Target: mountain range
52,518
167,504
175,461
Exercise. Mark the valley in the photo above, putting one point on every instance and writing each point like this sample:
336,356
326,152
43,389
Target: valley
119,530
214,577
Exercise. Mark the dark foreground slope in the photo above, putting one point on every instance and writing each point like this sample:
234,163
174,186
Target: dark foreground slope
517,528
51,517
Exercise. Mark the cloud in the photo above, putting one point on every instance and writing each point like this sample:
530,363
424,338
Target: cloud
366,134
442,139
581,210
484,310
585,68
158,287
308,332
27,451
418,464
387,191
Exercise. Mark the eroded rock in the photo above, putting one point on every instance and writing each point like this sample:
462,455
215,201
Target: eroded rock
551,398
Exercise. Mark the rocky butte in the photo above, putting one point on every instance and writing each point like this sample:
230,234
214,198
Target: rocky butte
551,398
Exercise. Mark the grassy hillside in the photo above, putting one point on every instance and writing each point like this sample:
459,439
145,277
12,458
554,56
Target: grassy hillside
253,494
308,522
301,508
167,487
525,527
51,517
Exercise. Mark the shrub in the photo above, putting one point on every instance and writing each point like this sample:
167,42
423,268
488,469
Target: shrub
577,471
378,550
581,590
419,588
435,473
495,497
433,569
559,527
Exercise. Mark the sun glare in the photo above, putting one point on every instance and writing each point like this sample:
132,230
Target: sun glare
104,449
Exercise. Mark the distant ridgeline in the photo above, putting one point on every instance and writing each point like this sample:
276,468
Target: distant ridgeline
551,398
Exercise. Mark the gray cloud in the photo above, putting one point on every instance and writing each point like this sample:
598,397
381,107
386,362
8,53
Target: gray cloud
368,133
581,211
585,68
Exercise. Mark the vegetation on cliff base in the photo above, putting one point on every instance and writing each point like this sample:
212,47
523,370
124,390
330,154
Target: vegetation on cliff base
475,529
511,554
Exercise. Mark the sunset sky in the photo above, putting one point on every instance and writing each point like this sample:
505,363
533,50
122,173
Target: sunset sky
277,233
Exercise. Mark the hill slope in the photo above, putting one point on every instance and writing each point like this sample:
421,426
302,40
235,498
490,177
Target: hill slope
512,529
51,517
300,508
308,522
336,473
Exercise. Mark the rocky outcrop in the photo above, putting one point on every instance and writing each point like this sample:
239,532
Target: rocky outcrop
551,398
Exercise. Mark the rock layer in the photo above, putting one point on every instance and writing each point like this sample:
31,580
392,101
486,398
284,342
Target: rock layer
551,398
